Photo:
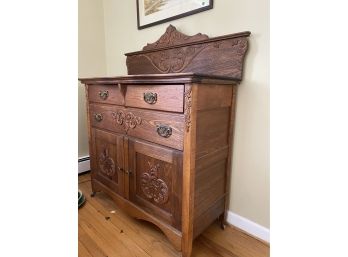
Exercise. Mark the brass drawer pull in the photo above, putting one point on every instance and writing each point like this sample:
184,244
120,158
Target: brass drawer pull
164,131
103,94
98,117
150,98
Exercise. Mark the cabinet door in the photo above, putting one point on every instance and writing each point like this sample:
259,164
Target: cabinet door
107,160
155,181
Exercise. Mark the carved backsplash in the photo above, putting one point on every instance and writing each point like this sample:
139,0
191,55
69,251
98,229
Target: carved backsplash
176,52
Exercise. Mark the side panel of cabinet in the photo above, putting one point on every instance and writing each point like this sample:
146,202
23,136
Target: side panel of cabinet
107,160
155,181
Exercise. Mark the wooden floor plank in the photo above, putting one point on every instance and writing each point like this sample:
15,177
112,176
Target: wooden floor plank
143,233
90,244
111,235
238,243
83,252
105,230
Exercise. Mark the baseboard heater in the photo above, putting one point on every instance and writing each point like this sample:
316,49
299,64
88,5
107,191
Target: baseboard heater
84,164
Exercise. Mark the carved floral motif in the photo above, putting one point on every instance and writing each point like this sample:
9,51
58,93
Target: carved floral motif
153,187
177,59
128,120
106,163
174,60
188,105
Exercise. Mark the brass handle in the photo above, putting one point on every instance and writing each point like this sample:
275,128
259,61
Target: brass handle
128,172
164,131
103,94
120,169
98,117
150,98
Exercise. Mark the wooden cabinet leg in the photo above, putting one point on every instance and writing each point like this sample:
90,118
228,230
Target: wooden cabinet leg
186,248
222,220
95,189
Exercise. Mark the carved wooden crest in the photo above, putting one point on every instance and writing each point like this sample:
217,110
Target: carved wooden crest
173,37
175,52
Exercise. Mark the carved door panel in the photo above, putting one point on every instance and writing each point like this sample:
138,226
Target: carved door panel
155,180
107,164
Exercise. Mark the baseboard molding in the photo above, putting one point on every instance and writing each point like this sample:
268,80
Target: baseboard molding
84,164
248,226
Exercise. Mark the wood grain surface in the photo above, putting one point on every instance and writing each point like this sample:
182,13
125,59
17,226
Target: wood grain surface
145,128
150,120
156,180
169,97
114,94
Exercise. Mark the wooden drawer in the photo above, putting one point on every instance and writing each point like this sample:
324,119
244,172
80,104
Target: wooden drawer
157,127
103,116
156,97
109,94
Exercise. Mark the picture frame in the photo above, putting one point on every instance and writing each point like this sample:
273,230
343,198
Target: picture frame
154,12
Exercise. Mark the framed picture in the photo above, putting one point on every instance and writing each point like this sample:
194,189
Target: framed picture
153,12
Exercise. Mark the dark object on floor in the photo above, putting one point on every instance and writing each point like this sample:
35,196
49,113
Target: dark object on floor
81,198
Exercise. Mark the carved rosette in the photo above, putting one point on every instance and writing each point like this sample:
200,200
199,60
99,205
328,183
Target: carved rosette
128,120
153,187
106,163
188,105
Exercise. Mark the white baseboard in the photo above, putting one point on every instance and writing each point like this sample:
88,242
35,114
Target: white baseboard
84,164
248,226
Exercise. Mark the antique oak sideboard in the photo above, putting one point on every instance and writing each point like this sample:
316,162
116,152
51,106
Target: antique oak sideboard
160,139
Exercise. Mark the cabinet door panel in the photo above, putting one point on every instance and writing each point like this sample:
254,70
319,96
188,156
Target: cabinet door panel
107,161
155,180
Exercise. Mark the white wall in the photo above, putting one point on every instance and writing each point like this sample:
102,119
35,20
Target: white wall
92,60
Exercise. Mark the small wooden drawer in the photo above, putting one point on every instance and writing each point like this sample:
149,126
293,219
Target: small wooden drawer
157,127
156,97
103,116
109,94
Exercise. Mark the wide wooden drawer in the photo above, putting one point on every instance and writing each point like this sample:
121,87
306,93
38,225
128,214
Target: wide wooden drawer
154,126
157,127
109,94
156,97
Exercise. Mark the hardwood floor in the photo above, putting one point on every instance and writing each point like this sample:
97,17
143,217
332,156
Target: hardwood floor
104,230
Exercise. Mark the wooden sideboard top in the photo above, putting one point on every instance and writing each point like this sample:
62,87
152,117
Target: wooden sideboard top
171,78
